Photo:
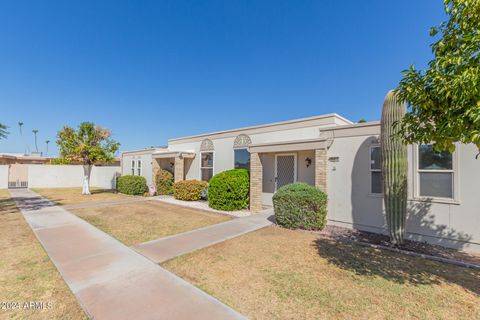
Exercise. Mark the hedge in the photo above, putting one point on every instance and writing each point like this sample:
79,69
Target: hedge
229,190
189,190
134,185
164,182
300,205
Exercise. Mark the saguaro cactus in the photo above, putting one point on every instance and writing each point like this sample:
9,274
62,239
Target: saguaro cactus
394,167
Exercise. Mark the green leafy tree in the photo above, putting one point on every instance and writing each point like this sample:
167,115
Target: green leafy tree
3,131
89,144
444,99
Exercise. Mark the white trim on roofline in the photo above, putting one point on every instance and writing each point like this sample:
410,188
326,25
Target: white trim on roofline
146,150
267,125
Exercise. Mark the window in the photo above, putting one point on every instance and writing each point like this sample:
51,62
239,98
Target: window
376,180
435,171
133,167
139,167
242,159
206,166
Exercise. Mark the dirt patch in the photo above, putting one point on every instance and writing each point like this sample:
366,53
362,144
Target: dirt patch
276,273
64,196
140,222
412,246
27,274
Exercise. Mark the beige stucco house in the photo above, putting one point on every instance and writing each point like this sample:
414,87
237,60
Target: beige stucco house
340,158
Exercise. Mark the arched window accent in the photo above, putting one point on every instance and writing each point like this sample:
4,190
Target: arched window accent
241,153
207,145
206,160
242,141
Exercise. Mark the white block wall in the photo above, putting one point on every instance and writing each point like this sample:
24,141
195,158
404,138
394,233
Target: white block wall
3,176
63,176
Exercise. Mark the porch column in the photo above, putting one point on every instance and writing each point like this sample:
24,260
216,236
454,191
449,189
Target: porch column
256,177
321,169
179,168
155,168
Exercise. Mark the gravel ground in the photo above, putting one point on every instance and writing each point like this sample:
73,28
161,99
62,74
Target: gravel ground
409,245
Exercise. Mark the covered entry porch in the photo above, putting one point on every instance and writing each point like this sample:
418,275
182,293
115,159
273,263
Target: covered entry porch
273,165
177,162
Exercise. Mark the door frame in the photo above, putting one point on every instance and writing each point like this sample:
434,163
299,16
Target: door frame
294,154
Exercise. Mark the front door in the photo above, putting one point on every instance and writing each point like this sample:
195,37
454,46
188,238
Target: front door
285,169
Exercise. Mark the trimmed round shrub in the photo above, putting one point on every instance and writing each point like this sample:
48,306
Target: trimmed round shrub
300,206
229,190
134,185
164,182
189,190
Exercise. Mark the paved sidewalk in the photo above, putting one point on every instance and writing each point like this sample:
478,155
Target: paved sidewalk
169,247
110,280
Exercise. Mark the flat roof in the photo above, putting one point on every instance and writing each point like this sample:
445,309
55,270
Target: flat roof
143,150
273,124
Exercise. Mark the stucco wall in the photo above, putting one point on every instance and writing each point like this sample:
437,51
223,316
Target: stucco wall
350,202
453,224
3,176
59,176
146,160
224,155
304,173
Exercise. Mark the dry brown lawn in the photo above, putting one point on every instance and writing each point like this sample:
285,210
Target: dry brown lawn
26,272
139,222
64,196
276,273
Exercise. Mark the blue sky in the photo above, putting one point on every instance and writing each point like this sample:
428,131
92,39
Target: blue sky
153,70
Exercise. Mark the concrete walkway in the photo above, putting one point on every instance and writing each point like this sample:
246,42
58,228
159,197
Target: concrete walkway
110,280
169,247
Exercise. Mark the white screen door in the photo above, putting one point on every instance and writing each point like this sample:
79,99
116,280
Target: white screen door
285,169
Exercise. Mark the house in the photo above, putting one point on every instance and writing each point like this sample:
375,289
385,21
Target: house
20,158
342,159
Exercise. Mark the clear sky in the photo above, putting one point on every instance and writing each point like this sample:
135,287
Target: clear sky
153,70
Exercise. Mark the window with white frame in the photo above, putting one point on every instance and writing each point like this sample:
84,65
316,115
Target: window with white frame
133,167
206,166
139,167
435,173
376,180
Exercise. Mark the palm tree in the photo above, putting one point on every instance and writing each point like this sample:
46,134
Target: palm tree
35,131
3,131
47,142
20,124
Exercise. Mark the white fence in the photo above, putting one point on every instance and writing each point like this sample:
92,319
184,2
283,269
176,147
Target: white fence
3,176
63,176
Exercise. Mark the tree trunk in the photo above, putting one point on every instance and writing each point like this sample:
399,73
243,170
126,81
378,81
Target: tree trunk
87,169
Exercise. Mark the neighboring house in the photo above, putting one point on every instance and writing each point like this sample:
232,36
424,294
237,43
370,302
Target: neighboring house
342,159
20,158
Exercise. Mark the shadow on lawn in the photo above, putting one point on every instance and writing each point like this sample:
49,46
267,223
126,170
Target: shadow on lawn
7,205
395,267
35,203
